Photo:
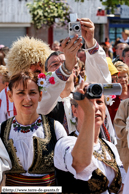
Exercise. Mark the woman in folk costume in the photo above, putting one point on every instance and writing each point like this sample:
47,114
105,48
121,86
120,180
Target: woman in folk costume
29,137
86,163
25,53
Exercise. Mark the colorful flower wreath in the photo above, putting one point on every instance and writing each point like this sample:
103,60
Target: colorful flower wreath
44,80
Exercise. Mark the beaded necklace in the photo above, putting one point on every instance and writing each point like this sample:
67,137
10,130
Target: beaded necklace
27,128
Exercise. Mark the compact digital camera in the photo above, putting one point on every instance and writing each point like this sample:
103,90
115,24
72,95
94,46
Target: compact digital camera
94,91
74,26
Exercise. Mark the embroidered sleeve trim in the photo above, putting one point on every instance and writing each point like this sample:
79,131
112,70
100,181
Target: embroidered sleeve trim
65,156
94,50
61,75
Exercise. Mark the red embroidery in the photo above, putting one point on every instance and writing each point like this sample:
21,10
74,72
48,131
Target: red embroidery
106,133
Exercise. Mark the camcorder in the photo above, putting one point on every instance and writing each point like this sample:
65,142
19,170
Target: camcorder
74,26
94,91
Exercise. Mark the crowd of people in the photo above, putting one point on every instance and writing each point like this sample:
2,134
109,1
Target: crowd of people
48,138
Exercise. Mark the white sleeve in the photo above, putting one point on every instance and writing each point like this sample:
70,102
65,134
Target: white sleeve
63,159
3,106
50,97
5,163
96,65
59,130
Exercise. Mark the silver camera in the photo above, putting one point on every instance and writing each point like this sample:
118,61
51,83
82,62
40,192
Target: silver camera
74,26
94,91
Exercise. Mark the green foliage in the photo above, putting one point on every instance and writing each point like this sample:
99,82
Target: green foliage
47,11
112,4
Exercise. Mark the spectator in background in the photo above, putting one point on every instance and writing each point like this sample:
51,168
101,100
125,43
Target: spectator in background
76,72
56,46
125,37
125,55
83,71
119,49
111,67
1,46
81,55
114,47
5,51
109,46
2,62
121,124
122,78
4,77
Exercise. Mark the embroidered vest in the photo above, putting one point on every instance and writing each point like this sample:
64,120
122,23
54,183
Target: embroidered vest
43,148
98,182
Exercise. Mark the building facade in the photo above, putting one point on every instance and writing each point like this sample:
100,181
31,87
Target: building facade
14,20
87,9
117,22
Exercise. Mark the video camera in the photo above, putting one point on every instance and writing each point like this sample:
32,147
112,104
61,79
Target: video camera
94,91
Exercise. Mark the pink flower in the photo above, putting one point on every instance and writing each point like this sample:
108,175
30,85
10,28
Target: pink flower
113,96
51,80
42,75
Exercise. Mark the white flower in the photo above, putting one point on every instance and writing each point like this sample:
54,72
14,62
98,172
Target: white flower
42,82
108,100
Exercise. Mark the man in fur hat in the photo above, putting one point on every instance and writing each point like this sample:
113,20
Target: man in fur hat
30,53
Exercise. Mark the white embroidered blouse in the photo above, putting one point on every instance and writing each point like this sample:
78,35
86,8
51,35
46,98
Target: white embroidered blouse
24,143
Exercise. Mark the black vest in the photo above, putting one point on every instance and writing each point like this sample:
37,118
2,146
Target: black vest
43,148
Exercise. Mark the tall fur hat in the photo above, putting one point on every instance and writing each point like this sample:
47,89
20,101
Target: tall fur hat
26,51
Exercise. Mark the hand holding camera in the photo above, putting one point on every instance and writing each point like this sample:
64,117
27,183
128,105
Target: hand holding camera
70,49
94,91
87,29
84,27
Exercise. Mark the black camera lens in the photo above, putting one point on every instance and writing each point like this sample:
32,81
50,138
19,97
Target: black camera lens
76,28
96,89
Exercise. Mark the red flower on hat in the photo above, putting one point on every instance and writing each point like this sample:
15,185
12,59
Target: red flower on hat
52,80
42,75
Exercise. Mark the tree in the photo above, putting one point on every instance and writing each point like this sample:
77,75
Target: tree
110,4
49,12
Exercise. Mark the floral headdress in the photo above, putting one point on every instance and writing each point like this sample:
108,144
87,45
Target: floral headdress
44,80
